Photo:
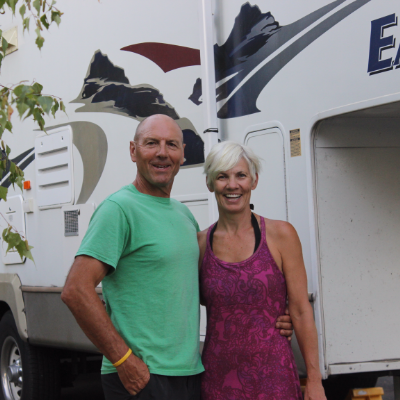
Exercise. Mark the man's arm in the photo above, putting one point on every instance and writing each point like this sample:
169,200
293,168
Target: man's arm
81,298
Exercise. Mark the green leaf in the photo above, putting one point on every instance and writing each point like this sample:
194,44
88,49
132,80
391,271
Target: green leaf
22,107
54,109
56,17
30,112
3,119
12,167
4,44
62,107
37,88
13,240
8,150
22,10
5,232
8,126
43,18
39,42
26,24
36,4
3,193
24,250
12,4
20,181
37,116
2,2
4,101
18,90
45,102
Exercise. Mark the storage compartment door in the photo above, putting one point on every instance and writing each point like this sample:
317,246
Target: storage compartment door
269,198
358,200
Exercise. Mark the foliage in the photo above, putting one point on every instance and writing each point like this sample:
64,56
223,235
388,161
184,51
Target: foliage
28,100
42,13
15,240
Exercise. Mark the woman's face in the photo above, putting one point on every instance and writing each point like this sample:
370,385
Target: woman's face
233,187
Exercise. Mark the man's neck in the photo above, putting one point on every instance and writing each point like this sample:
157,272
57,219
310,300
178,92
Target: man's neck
145,187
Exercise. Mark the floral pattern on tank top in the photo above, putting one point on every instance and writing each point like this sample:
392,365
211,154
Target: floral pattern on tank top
244,355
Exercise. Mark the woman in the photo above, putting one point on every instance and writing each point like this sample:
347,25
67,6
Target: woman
249,266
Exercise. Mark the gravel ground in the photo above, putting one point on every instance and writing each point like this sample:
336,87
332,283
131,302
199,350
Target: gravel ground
386,382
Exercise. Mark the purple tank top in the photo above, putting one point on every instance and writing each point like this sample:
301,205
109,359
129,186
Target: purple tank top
244,355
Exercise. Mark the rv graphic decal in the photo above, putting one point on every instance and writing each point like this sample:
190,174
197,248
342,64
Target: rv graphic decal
258,48
91,142
379,43
107,89
22,161
167,56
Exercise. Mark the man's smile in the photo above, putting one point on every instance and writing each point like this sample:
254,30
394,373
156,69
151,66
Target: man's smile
161,166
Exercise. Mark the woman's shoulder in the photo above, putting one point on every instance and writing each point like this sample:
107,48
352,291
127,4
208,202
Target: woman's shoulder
202,238
280,229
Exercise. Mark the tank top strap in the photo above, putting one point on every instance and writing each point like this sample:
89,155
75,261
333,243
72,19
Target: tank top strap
263,233
208,246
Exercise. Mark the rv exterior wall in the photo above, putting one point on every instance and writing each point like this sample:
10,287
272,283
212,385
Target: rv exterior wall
312,65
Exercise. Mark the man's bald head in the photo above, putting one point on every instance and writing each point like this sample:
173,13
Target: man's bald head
152,121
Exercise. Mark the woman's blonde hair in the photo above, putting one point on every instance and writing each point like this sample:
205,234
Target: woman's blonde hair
225,155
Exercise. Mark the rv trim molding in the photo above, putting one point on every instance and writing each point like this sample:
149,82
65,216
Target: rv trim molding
50,289
11,294
388,365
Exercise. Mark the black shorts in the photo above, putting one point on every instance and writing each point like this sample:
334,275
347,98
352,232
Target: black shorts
160,387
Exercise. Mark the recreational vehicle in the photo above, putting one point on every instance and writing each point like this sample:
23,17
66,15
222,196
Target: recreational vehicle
312,86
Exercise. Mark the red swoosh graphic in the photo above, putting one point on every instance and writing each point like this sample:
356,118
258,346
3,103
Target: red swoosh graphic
167,56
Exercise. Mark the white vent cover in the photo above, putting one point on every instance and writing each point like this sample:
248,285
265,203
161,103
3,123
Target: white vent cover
13,211
54,169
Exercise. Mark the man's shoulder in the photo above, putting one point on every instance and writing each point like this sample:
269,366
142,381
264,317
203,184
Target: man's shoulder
183,208
122,196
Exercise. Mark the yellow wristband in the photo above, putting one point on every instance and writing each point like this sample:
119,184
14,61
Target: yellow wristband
118,363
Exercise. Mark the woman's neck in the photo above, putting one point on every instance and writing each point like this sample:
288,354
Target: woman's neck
232,223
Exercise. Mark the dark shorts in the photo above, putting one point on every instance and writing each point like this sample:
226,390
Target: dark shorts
160,387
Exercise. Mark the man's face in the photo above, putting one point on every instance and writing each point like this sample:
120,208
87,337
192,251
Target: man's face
158,152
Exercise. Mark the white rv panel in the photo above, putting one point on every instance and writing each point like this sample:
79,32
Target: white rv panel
54,168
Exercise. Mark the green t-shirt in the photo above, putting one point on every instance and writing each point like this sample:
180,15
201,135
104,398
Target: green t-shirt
152,291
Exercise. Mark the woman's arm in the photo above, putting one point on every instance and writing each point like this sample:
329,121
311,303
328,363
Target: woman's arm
299,306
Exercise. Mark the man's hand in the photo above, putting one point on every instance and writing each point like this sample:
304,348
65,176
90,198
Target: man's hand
134,374
284,323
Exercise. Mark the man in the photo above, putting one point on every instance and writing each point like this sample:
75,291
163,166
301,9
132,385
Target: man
142,245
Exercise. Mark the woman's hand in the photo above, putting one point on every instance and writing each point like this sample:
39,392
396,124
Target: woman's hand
314,390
